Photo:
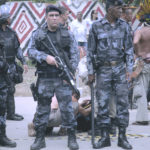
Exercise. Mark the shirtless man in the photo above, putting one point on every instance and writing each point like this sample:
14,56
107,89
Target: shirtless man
142,50
142,42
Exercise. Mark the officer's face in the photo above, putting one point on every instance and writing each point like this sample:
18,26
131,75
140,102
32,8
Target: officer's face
52,19
115,12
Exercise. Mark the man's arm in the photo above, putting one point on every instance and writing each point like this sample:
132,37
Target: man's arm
37,55
74,52
136,40
90,53
33,53
128,48
19,54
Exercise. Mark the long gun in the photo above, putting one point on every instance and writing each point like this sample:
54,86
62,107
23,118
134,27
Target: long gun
92,114
62,65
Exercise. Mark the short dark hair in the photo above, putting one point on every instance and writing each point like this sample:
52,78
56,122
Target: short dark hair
63,9
50,8
111,3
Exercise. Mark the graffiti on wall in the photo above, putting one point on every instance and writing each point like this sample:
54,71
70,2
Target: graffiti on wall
27,16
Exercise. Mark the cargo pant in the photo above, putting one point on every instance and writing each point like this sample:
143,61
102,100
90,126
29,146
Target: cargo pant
46,89
112,78
3,97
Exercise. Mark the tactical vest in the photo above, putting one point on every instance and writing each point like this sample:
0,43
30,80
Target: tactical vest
109,41
11,43
62,44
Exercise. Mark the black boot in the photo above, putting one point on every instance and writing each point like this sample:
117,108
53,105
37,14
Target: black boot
104,141
72,143
19,116
4,140
122,139
39,140
14,117
11,108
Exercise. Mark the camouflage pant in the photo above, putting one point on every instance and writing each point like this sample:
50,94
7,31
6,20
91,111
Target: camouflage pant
46,89
3,97
10,100
109,78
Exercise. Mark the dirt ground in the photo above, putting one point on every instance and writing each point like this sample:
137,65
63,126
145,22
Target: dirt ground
23,89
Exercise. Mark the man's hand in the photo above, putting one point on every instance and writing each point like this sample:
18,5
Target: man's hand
51,60
91,78
25,67
82,51
128,76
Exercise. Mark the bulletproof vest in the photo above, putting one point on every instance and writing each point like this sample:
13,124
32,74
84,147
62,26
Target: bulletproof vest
61,41
10,42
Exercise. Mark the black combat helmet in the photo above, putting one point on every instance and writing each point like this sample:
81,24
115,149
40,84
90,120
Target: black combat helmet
110,3
4,13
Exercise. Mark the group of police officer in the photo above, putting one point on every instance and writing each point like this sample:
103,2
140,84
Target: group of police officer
109,44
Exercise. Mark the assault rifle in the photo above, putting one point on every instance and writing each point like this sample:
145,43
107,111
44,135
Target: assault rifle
62,65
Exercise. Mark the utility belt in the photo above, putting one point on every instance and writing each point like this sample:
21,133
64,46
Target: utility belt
110,63
81,43
48,75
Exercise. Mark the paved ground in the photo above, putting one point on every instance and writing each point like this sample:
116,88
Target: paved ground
139,136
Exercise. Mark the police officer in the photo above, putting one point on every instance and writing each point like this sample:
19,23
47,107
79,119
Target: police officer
4,140
49,81
12,50
108,37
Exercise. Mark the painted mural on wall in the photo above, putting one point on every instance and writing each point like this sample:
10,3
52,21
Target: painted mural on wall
27,16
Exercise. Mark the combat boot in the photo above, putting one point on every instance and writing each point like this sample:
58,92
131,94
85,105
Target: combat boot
72,143
122,139
39,140
11,109
4,140
15,117
104,141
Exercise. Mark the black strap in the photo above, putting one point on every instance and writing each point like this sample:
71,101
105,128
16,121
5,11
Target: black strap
64,54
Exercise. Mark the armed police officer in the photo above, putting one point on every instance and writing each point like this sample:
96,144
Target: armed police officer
49,79
12,50
108,37
4,140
